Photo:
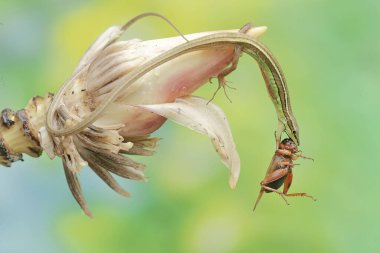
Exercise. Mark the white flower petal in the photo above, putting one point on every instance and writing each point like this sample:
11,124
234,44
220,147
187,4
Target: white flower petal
207,118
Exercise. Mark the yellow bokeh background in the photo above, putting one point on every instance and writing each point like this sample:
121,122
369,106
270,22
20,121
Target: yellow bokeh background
330,53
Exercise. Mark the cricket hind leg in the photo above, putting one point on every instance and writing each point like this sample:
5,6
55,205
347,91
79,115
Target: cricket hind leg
288,183
300,194
283,195
270,178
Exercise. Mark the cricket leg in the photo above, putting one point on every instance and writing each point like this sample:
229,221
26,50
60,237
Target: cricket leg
279,131
296,156
300,194
271,177
276,191
288,183
284,152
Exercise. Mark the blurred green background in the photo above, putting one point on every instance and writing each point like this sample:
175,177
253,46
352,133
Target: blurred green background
330,53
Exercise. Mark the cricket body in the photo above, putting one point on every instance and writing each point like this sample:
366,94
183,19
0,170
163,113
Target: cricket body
280,172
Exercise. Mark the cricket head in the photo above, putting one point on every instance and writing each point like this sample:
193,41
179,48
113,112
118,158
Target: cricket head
289,144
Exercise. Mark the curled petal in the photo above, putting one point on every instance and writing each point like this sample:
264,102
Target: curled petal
107,37
206,118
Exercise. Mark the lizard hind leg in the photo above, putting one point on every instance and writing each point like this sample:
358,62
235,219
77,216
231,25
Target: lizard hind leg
235,60
222,83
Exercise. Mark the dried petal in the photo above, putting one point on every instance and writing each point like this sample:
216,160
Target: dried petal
107,178
74,185
71,157
119,165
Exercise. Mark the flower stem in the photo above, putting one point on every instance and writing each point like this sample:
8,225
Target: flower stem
19,131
